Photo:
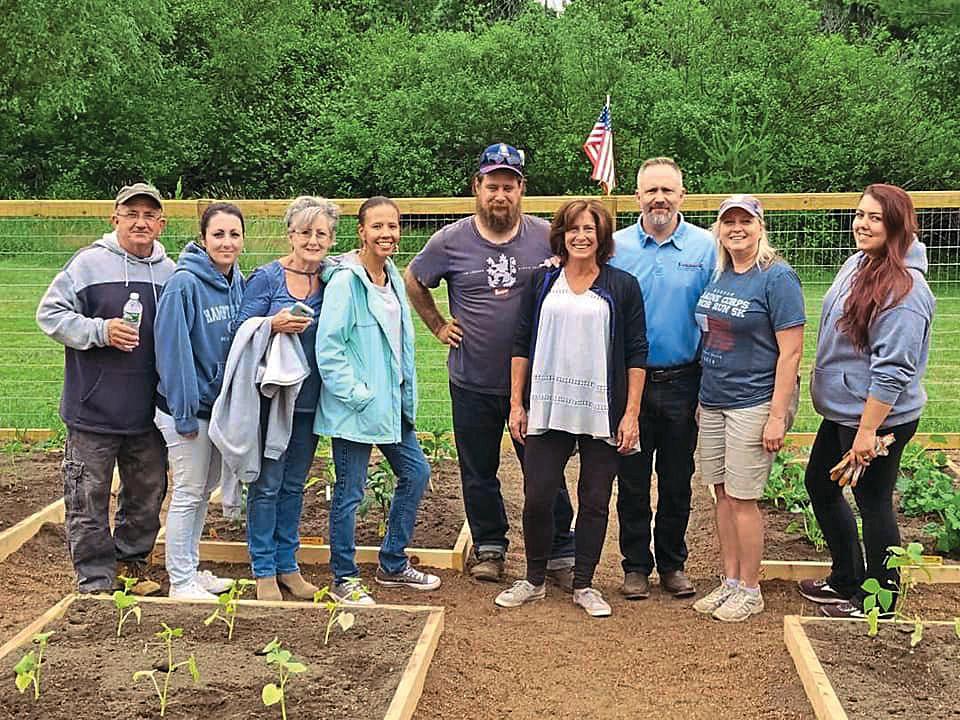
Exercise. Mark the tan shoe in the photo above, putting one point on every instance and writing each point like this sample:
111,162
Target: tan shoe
298,587
267,589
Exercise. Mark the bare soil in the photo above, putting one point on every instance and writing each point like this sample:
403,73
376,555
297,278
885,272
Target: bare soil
883,677
87,670
652,658
29,481
439,519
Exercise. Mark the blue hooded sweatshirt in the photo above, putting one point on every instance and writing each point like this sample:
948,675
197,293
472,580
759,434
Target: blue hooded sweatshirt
892,368
192,336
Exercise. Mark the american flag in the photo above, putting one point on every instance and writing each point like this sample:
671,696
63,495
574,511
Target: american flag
599,149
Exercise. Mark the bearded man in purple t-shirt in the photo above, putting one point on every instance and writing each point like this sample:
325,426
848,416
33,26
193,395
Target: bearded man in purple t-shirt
487,260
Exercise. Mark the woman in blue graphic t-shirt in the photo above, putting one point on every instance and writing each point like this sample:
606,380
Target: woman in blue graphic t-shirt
752,318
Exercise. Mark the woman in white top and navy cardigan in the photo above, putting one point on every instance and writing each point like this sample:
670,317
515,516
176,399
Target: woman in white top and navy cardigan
577,377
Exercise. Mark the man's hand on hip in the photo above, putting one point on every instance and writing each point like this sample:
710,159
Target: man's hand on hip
450,333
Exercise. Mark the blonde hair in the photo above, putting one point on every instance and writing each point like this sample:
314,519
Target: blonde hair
766,253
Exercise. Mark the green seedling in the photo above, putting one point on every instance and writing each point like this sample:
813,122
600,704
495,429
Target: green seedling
879,599
28,667
438,446
326,481
873,620
226,611
167,635
274,693
901,557
807,525
126,603
381,485
336,610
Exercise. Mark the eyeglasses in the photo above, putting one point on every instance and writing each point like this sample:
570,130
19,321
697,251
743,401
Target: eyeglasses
501,154
305,235
150,217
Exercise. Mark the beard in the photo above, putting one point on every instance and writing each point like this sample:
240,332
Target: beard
498,220
660,217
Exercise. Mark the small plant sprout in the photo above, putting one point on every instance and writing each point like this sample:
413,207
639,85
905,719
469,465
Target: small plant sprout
881,599
335,609
900,557
167,635
274,693
28,668
126,603
381,485
226,611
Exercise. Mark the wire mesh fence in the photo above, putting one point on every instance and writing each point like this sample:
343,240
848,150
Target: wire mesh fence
38,241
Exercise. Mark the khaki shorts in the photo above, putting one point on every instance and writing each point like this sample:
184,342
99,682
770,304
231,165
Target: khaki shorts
731,449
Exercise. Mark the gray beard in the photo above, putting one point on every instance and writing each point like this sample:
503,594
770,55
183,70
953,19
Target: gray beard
495,221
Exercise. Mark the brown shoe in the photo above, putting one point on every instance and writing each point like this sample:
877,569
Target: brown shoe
489,568
267,589
298,587
636,586
677,584
562,577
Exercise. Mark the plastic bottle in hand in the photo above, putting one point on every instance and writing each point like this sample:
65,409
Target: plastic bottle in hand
133,311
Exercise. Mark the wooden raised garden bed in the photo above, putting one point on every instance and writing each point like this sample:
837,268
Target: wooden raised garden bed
31,493
848,675
376,669
441,537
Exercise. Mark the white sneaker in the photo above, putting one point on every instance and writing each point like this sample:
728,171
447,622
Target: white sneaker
740,606
715,598
592,601
190,591
213,584
519,593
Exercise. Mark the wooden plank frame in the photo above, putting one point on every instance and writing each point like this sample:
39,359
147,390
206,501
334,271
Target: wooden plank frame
12,539
405,698
826,705
313,554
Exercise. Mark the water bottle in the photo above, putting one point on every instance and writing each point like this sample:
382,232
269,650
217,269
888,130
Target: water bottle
133,310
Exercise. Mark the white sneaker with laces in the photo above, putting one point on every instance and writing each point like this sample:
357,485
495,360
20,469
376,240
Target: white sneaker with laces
213,584
592,601
191,591
352,592
715,598
519,593
740,606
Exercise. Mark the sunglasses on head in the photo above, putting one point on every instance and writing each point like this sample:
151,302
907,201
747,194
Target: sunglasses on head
501,154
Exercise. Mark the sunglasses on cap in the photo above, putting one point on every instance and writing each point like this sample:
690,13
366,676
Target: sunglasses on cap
501,155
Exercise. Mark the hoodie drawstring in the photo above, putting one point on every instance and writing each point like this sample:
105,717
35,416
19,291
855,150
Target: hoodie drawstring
153,282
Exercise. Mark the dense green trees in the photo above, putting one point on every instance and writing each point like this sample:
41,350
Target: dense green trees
351,97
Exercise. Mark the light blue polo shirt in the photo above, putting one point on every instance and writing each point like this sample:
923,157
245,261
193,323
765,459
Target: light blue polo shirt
672,277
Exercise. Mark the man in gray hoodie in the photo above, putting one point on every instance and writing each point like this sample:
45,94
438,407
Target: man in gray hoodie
109,388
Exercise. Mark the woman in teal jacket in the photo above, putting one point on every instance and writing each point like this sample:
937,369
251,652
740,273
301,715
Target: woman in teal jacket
365,354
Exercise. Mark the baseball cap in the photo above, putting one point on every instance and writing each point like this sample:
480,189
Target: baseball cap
501,156
128,192
745,202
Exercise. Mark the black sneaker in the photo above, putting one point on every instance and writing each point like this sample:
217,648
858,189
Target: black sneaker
850,611
820,592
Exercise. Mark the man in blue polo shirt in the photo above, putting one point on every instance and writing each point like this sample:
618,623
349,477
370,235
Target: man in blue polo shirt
673,261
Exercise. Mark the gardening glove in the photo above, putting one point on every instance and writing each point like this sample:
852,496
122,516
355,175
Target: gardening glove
848,471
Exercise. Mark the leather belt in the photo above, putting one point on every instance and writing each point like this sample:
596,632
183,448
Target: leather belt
672,373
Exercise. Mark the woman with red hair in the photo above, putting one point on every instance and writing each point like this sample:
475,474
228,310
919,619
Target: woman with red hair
871,356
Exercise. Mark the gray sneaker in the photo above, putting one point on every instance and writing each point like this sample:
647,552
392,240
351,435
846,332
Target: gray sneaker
715,598
408,577
592,601
519,593
740,606
352,592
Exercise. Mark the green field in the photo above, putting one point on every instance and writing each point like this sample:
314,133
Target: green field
32,251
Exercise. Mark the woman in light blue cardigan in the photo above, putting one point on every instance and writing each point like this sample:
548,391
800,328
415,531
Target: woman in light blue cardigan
365,354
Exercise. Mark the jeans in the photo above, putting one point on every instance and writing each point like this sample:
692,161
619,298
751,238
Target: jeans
668,430
874,497
478,424
196,473
546,458
275,501
413,473
88,463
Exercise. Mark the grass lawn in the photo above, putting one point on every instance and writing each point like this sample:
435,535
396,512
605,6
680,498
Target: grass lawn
31,365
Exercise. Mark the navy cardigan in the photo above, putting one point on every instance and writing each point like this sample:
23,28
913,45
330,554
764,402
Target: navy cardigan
628,330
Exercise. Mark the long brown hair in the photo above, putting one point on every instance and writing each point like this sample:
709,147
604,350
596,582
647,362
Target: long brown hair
881,281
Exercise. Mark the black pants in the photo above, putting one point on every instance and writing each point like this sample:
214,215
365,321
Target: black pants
668,431
478,423
546,457
874,496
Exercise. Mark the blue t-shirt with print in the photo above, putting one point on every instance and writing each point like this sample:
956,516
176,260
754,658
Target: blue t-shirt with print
739,315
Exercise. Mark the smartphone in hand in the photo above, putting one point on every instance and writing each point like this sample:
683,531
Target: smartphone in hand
300,309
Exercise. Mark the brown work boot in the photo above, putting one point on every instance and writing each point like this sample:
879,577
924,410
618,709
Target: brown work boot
636,586
267,589
677,584
561,577
489,567
298,587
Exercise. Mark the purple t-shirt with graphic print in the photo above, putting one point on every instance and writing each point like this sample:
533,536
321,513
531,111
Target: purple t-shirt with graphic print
485,284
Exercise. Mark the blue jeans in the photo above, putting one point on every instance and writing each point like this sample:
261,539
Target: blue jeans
275,501
413,473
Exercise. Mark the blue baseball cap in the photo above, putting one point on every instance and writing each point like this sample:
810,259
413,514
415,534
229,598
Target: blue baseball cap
748,203
501,156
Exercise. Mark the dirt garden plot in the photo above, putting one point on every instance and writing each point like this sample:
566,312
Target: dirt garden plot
847,674
31,493
374,670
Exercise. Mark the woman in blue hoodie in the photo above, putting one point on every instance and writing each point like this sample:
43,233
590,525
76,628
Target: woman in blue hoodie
866,383
368,397
192,335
